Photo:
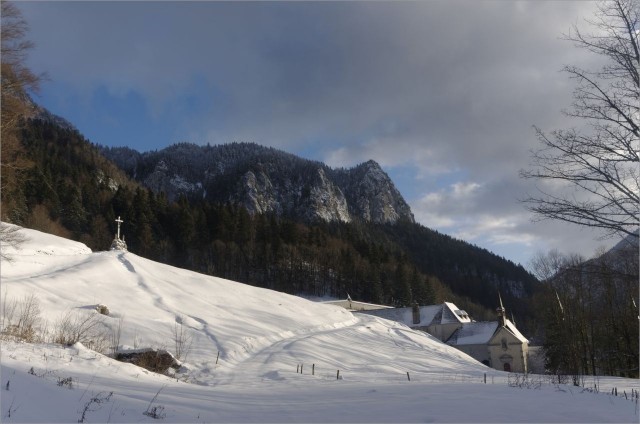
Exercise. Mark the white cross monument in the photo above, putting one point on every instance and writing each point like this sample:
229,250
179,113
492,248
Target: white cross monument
119,221
118,243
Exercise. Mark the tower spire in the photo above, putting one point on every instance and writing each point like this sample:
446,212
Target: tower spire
502,314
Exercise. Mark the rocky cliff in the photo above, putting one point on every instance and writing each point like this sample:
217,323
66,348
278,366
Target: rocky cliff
265,180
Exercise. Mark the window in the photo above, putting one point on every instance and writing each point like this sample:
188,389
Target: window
507,367
504,344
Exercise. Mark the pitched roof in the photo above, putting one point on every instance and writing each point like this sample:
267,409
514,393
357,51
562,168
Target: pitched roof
473,333
451,314
512,328
445,313
353,305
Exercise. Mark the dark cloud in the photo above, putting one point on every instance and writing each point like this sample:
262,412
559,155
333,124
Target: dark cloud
446,89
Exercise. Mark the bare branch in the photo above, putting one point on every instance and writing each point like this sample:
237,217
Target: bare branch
600,159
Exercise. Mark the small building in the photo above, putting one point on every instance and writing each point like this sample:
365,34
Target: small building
497,344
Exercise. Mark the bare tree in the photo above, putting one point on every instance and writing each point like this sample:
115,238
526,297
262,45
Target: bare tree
600,160
589,311
17,81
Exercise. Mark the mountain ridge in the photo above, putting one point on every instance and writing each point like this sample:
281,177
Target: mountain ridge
266,180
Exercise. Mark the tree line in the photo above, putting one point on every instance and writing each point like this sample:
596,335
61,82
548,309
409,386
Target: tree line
69,191
589,312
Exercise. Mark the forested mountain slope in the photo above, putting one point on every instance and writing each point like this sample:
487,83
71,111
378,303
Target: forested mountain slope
71,189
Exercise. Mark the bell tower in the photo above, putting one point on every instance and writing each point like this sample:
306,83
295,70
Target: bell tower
502,314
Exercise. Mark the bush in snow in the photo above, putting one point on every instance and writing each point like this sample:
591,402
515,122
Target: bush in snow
155,411
94,404
21,319
158,360
65,382
182,339
87,328
102,309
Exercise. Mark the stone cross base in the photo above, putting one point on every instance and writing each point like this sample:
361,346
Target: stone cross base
118,244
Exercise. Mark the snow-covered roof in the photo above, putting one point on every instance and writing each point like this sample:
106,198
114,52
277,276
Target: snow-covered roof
512,328
481,332
451,314
473,333
403,315
352,305
445,313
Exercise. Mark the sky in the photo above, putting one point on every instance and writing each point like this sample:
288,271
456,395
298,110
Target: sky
443,94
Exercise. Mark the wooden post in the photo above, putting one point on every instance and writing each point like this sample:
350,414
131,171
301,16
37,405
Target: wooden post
408,378
297,368
485,378
338,375
217,357
301,366
313,369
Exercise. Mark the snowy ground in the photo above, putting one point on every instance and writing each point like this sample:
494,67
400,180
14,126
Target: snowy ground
258,338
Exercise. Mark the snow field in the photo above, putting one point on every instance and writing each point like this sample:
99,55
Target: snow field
258,338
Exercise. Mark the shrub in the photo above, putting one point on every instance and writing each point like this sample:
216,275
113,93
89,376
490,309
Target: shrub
102,309
182,339
153,360
65,382
27,318
87,328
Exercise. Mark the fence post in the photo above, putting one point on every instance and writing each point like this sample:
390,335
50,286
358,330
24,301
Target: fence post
408,378
313,369
485,378
217,357
338,375
297,368
301,366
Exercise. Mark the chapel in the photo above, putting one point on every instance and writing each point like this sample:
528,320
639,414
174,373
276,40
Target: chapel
497,344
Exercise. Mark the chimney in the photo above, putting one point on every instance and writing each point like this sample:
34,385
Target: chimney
416,313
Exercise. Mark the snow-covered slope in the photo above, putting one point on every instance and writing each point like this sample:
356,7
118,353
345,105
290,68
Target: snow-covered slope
247,346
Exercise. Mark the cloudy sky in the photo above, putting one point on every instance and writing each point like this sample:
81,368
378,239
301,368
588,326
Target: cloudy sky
443,94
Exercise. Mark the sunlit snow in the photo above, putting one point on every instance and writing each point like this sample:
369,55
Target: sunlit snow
249,345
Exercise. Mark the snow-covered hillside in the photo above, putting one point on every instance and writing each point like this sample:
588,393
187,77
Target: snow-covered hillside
247,346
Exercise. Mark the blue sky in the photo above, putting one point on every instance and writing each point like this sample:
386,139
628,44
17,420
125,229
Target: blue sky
443,94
